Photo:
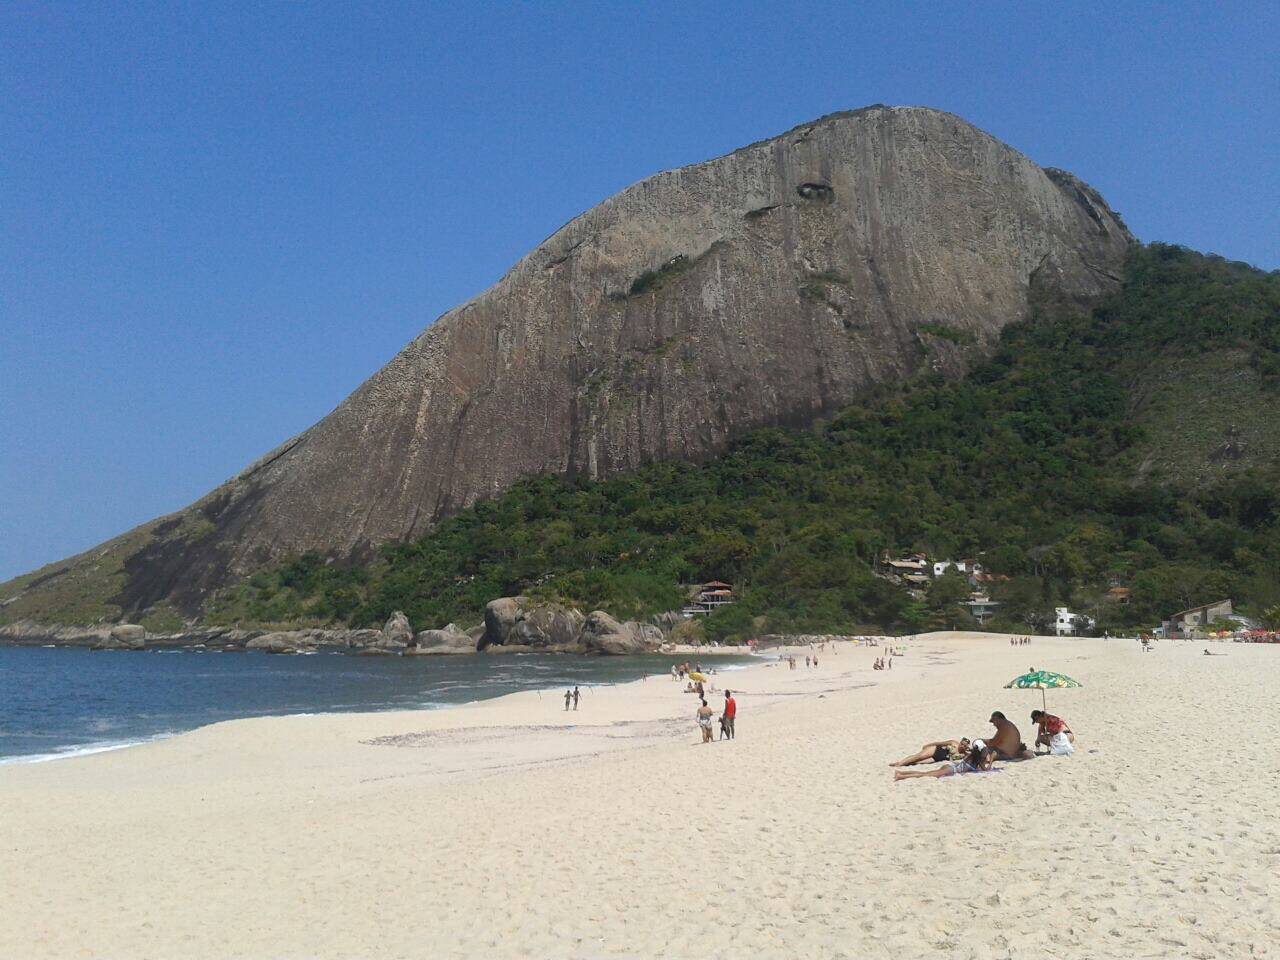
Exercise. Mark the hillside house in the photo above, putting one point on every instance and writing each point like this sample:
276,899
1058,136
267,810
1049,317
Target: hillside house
981,607
708,597
1068,624
1185,623
1120,595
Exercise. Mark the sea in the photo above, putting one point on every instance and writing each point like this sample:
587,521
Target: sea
62,702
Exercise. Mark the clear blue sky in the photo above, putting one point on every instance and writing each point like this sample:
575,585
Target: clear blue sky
217,220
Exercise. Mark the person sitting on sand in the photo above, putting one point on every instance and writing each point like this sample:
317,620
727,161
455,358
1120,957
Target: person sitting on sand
978,760
704,721
1053,733
939,751
1007,743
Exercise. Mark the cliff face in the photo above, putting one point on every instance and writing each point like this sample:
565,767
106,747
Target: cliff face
764,287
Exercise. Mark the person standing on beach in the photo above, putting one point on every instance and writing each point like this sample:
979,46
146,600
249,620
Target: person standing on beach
567,697
705,714
730,713
576,695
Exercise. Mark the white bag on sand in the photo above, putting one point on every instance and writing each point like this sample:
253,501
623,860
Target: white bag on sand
1060,746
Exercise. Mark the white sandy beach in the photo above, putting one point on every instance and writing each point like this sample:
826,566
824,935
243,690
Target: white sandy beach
512,829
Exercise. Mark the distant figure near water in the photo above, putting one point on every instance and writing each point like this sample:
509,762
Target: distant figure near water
567,697
576,695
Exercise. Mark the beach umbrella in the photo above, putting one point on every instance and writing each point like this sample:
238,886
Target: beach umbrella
694,675
1041,680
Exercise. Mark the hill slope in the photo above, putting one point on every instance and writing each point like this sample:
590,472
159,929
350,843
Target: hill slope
767,287
1045,460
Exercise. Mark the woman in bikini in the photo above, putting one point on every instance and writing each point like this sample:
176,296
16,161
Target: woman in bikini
979,760
936,752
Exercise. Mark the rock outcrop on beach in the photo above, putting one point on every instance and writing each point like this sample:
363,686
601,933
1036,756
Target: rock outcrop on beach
767,287
601,633
514,621
449,640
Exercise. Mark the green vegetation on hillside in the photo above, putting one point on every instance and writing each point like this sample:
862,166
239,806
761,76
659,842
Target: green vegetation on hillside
1031,461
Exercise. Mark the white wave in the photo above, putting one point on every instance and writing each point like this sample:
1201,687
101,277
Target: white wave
82,750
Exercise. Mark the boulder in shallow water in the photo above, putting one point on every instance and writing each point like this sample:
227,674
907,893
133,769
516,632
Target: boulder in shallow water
450,640
283,641
500,619
396,634
132,635
601,633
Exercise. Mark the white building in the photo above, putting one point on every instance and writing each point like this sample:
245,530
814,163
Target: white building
967,567
1068,624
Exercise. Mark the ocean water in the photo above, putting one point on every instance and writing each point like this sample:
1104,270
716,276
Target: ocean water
61,702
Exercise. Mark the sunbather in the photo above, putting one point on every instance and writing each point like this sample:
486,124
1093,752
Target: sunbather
936,752
979,759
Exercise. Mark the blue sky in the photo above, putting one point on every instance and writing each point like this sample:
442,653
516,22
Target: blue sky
216,220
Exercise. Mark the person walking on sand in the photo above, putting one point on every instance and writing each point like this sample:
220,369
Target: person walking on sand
567,697
705,714
576,695
730,713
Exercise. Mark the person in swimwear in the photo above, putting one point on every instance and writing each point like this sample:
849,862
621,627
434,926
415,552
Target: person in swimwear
936,752
1007,743
979,760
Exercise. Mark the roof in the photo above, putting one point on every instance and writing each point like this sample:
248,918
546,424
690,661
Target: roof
1119,592
715,584
1203,606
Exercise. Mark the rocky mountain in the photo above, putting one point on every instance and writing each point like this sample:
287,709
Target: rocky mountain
767,287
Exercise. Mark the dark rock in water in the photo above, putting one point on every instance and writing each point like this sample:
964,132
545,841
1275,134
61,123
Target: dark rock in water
767,287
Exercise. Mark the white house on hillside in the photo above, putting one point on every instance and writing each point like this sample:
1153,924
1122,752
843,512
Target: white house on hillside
1068,624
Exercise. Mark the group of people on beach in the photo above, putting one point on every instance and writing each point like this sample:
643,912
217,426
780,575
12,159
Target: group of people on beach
883,663
727,718
965,755
1019,641
572,696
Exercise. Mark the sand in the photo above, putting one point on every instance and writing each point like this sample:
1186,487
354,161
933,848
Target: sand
513,829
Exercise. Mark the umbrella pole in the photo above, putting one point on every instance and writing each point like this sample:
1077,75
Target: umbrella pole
1044,704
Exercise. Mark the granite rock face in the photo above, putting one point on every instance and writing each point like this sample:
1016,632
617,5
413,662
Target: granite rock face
450,640
766,287
601,633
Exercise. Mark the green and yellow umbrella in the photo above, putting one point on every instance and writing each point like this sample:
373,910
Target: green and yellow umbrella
1041,680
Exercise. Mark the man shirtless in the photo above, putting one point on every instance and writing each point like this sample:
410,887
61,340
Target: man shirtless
1007,741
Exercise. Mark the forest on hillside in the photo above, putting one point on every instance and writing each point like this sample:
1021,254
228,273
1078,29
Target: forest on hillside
1039,461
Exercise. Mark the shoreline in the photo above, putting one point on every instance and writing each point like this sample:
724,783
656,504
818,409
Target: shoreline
509,828
92,748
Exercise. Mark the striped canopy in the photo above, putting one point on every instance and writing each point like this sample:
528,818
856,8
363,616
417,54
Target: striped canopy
1041,680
